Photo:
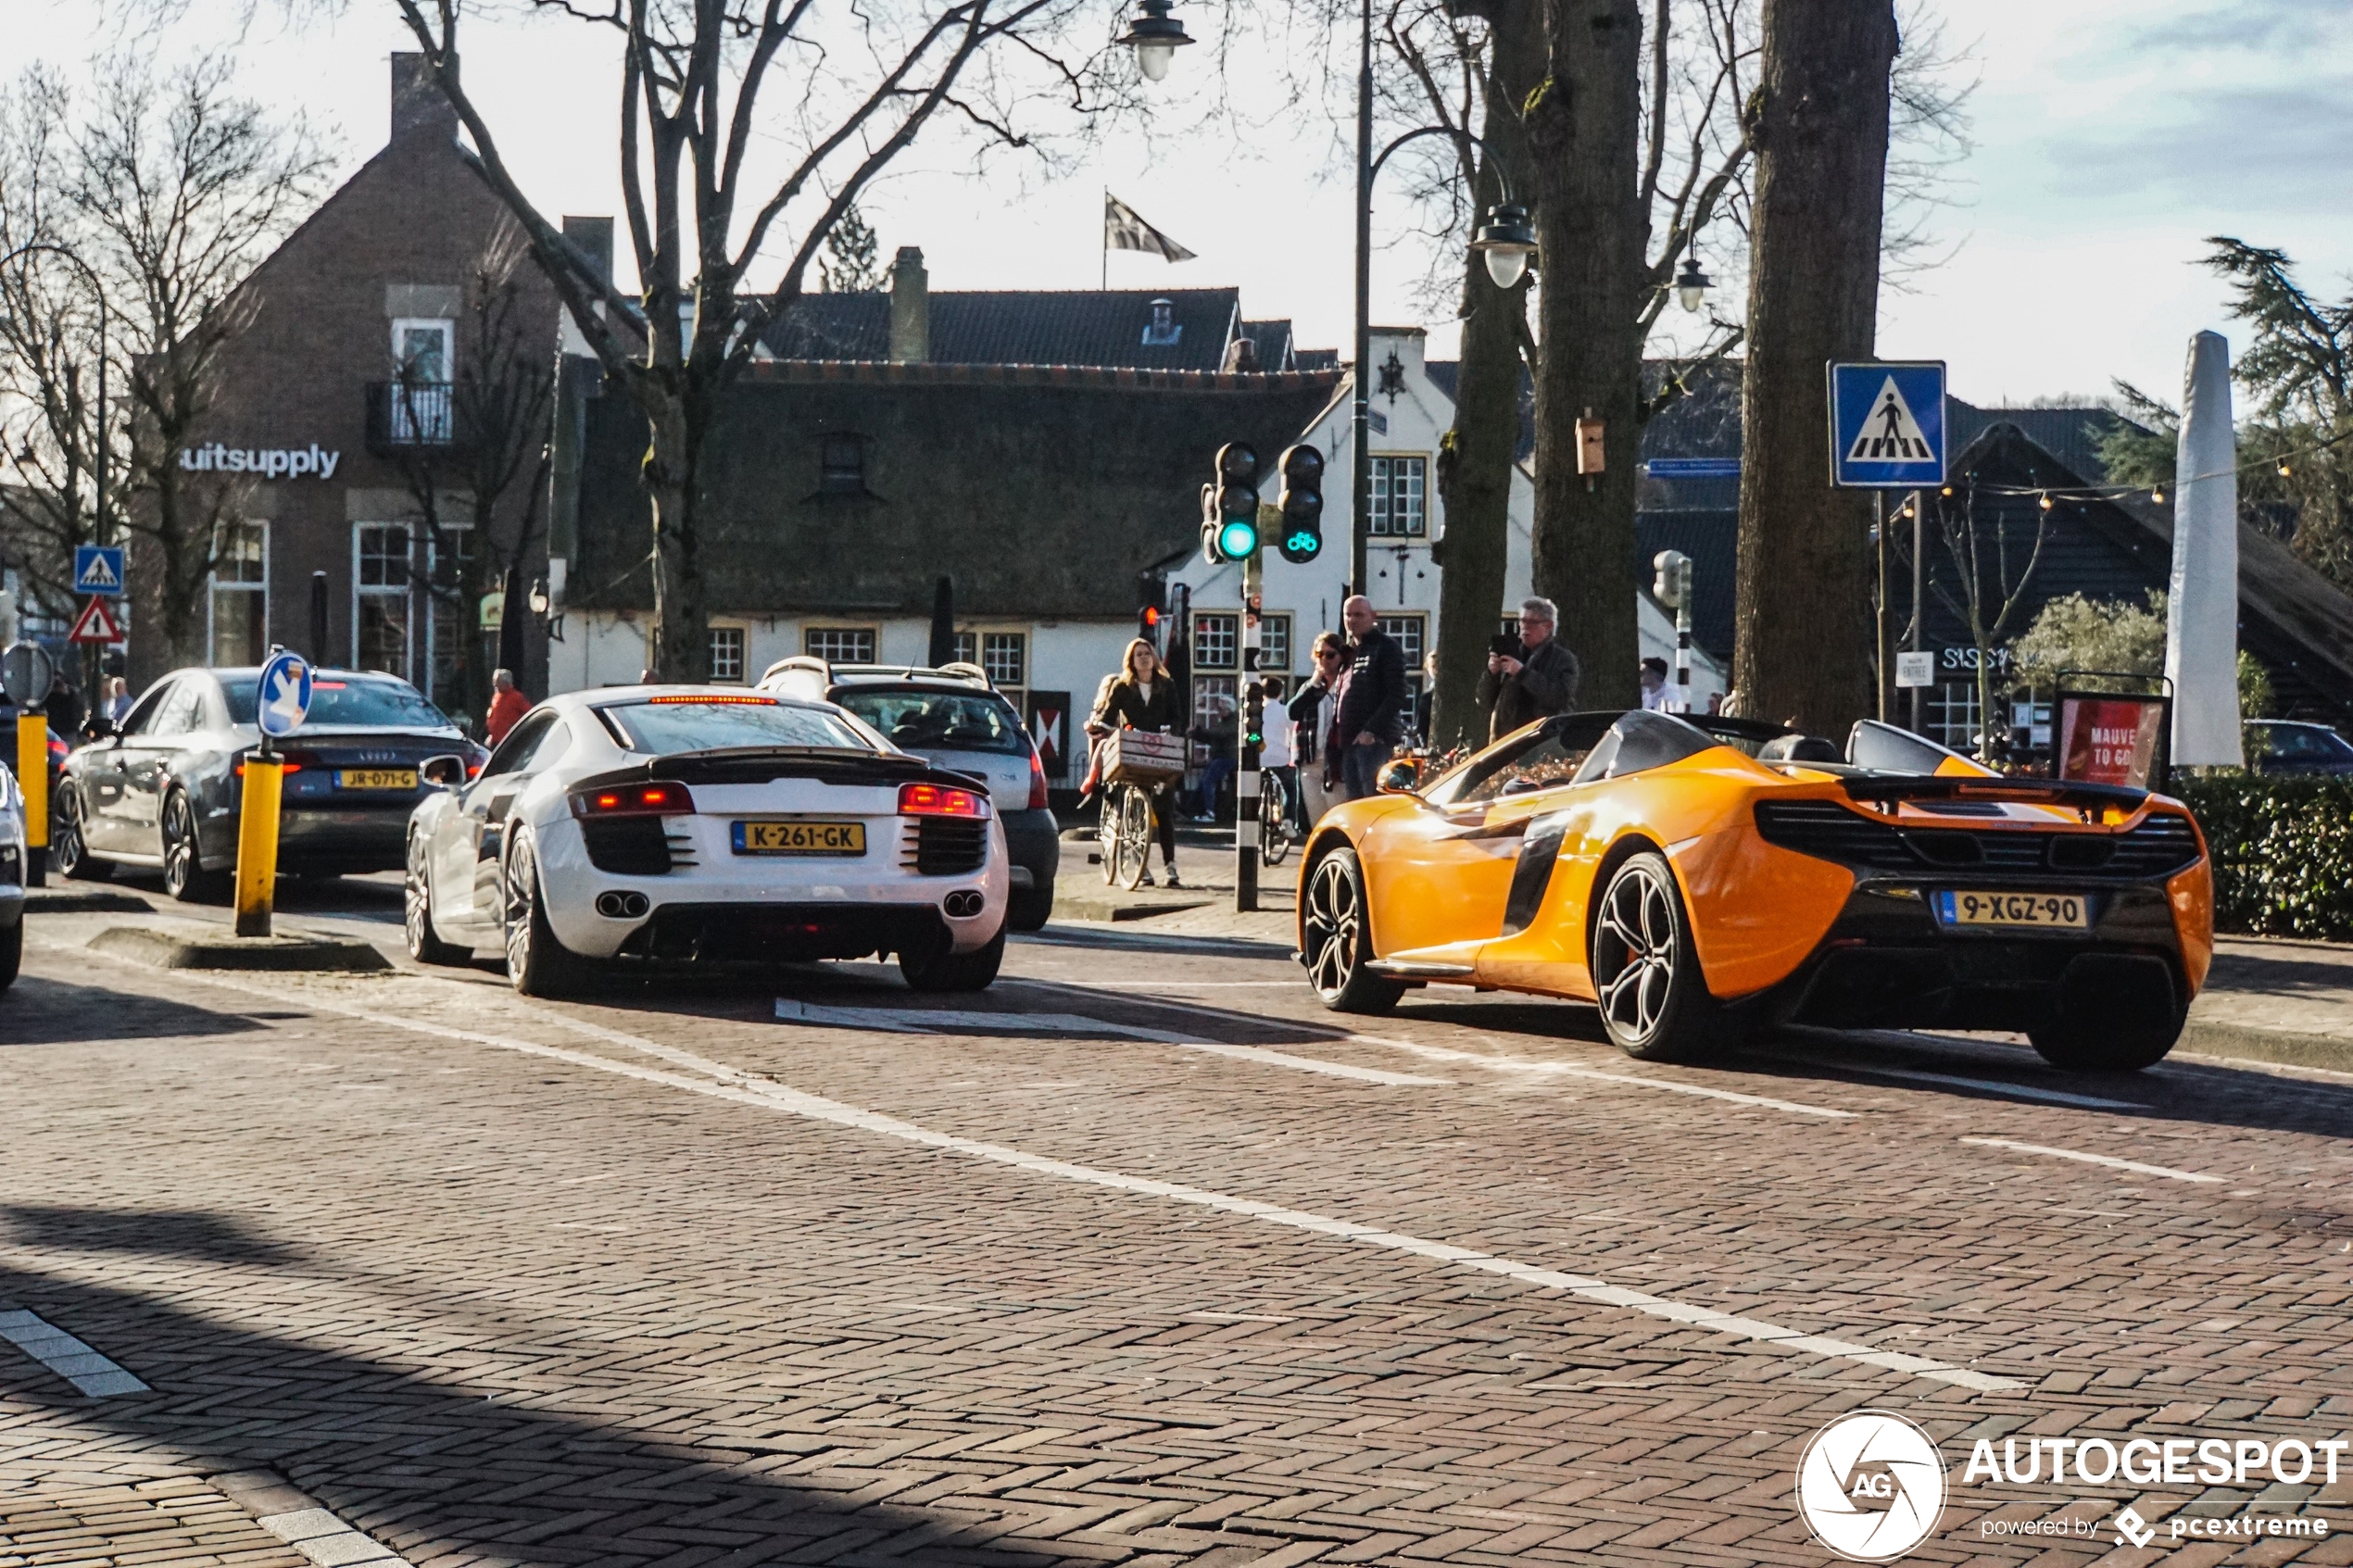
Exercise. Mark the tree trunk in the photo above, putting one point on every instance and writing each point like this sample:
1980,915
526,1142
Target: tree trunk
681,650
1583,130
1479,454
1819,123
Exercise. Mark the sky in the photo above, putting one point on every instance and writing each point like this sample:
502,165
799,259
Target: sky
2108,138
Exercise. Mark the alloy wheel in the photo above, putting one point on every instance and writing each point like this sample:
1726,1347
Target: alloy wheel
65,849
179,866
521,893
416,907
1635,944
1335,919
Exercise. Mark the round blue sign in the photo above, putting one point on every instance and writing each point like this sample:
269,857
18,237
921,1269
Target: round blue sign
285,696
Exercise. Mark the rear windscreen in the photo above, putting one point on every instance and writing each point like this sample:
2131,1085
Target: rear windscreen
922,720
348,700
664,728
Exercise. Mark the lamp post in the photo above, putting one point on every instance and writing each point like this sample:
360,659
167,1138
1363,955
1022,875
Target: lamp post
1155,36
1506,241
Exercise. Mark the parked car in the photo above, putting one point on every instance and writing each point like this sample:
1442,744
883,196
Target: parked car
2284,745
12,856
661,824
163,791
953,717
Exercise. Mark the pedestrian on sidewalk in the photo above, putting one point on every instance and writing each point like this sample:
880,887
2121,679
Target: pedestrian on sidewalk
1372,710
1315,715
1143,697
118,705
506,706
1538,684
1654,683
1277,746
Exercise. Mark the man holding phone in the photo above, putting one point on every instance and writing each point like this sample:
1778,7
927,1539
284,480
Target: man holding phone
1530,677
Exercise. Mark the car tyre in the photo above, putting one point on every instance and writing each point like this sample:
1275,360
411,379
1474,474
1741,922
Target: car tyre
1336,938
68,851
1029,909
11,953
940,970
184,877
537,964
1653,1001
2114,1014
426,945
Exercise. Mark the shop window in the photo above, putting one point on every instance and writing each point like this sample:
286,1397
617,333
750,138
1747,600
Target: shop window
240,601
383,602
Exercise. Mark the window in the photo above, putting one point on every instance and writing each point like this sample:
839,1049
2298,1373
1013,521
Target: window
726,653
665,728
1214,704
420,364
390,704
1952,716
1399,488
1005,656
1217,642
841,645
183,711
381,601
842,466
926,720
539,735
240,606
1273,642
1162,331
1408,629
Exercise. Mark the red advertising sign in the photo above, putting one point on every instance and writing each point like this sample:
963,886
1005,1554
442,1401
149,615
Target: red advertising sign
2110,739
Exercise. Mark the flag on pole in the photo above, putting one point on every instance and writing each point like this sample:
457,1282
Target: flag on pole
1123,229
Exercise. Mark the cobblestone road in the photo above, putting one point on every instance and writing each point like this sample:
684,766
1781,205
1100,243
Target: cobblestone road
1151,1262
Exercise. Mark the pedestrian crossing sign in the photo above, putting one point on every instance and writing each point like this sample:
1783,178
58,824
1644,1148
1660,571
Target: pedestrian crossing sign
1887,423
98,569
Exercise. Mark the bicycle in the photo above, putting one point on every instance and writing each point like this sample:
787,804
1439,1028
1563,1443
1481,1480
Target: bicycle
1274,819
1125,834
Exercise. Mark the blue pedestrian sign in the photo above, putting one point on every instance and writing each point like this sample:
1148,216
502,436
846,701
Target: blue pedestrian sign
284,694
98,569
1887,424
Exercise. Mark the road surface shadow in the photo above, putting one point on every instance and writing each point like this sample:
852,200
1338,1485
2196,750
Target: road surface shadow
37,1011
159,1233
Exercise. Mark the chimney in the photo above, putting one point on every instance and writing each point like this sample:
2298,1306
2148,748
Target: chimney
909,307
419,111
592,237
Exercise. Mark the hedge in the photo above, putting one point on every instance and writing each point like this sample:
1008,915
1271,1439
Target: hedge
2282,851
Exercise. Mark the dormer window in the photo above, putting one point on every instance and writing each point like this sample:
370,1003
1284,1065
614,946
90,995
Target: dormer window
1163,331
842,470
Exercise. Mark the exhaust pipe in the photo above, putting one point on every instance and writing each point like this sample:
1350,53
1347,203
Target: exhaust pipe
962,905
622,906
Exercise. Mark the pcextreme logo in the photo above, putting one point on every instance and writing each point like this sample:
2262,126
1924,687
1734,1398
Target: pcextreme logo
1870,1485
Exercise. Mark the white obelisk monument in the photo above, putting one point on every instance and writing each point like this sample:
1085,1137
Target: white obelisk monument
2202,603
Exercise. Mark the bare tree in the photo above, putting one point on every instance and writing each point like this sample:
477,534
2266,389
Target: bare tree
700,214
1988,585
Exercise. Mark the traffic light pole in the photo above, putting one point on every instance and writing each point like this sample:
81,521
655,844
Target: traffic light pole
1246,766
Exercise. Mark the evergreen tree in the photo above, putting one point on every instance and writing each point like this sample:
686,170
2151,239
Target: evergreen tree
850,265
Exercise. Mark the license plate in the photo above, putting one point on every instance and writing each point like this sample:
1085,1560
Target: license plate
375,778
2050,911
801,838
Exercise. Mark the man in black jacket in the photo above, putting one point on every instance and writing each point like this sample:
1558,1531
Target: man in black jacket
1539,684
1372,709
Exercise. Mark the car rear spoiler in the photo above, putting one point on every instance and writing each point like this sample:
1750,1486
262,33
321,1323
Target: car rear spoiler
2071,793
758,764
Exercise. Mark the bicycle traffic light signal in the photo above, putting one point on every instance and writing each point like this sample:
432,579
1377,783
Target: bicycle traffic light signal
1229,512
1253,715
1302,504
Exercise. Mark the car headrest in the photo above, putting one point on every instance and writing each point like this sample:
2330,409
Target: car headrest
1798,748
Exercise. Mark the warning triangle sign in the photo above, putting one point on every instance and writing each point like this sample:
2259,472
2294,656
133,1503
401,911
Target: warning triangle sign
96,625
1889,435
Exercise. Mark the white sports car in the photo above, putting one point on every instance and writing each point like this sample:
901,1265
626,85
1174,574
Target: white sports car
662,823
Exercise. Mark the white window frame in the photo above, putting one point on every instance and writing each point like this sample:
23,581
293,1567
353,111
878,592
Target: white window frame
1393,624
1274,624
214,587
421,639
809,636
713,631
1230,628
1381,514
399,415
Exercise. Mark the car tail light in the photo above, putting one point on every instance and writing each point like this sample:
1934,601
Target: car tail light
658,800
939,800
715,699
288,762
1037,781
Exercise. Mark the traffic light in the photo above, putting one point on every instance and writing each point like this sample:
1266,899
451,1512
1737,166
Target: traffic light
1253,715
1302,504
1148,625
1229,507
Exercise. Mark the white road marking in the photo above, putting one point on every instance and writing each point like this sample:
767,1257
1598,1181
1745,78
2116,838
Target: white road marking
949,1020
67,1355
2109,1159
329,1542
1498,1064
722,1081
1990,1085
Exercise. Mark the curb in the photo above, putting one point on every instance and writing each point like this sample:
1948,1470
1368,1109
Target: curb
1108,908
81,901
196,946
2229,1041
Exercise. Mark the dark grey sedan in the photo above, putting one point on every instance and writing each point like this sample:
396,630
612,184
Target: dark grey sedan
164,791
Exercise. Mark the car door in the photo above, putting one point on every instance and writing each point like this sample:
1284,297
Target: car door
132,814
98,772
471,842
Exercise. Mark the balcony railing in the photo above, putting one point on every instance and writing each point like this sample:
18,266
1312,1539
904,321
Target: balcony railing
409,416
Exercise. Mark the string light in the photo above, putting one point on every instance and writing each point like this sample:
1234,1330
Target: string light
2283,468
2046,503
2156,493
2280,465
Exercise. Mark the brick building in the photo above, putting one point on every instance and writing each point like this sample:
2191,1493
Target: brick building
342,418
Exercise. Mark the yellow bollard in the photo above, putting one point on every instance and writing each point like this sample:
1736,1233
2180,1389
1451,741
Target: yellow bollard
257,845
33,778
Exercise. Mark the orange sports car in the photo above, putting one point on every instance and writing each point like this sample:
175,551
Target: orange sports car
1695,875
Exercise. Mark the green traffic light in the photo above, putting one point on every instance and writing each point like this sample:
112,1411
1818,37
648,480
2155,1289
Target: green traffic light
1302,545
1236,537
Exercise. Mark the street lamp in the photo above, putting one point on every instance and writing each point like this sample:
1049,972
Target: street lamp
1692,284
1507,242
1156,36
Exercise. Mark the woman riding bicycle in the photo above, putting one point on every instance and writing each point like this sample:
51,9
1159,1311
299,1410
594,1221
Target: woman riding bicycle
1142,697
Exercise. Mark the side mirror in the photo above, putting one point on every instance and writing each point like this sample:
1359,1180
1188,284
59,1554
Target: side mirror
100,728
443,773
1402,776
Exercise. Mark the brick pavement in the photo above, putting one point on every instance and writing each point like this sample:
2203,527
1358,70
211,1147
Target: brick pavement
497,1307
